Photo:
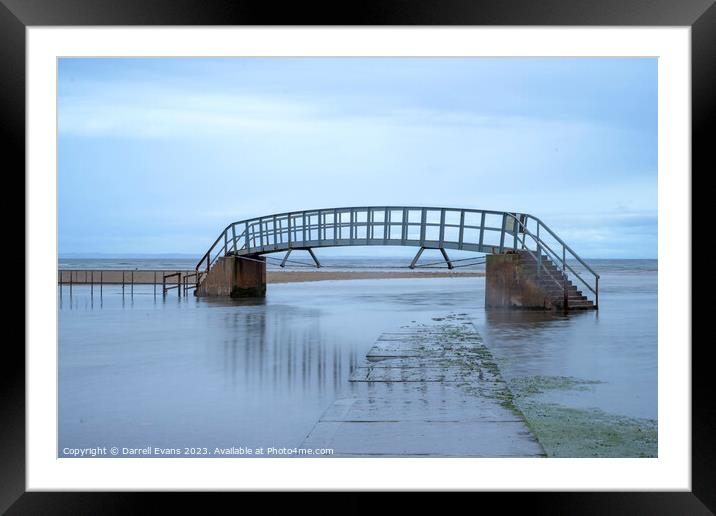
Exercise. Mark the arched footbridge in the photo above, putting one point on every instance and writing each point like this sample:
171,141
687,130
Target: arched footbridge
528,264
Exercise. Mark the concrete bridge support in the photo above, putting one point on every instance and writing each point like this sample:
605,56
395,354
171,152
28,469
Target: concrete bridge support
509,284
517,280
235,276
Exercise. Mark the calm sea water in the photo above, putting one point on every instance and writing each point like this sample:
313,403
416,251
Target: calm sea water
137,371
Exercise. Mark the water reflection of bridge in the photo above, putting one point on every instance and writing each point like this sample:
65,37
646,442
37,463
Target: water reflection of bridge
274,349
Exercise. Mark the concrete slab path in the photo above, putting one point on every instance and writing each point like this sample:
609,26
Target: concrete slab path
426,391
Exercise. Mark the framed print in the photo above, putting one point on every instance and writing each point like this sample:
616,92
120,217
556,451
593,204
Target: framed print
418,249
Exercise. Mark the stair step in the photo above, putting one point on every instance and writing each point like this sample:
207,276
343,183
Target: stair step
548,275
552,286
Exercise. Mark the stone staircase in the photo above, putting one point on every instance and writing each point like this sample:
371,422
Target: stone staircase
550,281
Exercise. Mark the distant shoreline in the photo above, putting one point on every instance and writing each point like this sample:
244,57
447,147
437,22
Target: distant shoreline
302,276
150,277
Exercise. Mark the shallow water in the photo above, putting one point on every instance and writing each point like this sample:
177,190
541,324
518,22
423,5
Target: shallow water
141,371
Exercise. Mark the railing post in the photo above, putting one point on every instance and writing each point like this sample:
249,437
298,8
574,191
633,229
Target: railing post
462,228
261,232
423,221
275,240
564,276
404,228
502,233
320,225
303,220
351,227
336,229
596,292
539,252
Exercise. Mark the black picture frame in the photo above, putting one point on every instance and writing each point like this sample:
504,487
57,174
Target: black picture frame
700,15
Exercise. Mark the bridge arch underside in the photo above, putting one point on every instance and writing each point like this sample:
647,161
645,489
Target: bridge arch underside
311,244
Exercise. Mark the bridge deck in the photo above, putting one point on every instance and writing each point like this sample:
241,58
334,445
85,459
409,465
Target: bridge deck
426,391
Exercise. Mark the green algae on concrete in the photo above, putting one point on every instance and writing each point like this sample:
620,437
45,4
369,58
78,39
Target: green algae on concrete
531,385
426,390
576,432
479,360
562,431
570,432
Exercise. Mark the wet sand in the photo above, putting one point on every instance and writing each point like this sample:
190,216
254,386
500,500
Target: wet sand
300,276
140,277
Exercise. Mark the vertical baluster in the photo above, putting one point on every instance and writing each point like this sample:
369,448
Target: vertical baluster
319,226
596,293
303,219
404,228
336,229
564,276
275,240
423,221
351,227
462,228
502,233
539,251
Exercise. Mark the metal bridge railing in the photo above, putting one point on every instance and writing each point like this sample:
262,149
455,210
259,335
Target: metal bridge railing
482,231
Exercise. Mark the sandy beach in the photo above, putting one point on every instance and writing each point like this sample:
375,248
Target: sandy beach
140,277
299,276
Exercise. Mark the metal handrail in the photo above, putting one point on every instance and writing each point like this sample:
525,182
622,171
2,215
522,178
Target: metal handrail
554,235
280,232
542,266
565,248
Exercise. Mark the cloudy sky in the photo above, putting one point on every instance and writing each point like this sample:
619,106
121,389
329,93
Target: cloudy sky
158,155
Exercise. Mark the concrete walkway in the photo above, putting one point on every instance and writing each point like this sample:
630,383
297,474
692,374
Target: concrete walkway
426,391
